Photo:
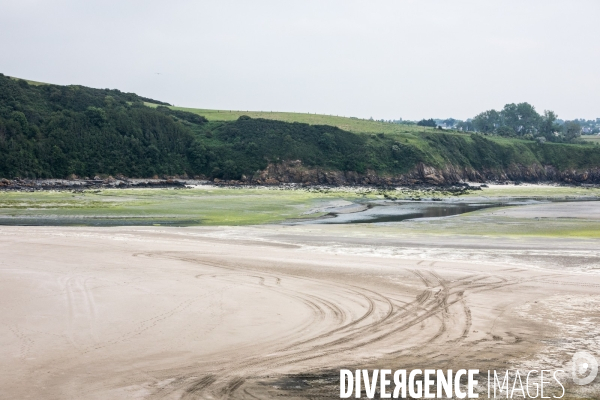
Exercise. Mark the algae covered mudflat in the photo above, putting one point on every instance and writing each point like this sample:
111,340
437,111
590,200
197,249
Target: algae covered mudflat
209,205
200,206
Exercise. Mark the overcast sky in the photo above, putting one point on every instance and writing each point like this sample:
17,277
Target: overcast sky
385,59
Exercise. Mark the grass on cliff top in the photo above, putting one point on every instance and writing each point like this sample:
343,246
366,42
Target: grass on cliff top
591,138
349,124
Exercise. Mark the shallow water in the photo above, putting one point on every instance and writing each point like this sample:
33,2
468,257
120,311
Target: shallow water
396,211
94,221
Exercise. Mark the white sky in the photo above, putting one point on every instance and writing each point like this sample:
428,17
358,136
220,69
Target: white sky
385,59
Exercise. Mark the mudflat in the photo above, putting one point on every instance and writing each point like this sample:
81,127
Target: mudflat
270,311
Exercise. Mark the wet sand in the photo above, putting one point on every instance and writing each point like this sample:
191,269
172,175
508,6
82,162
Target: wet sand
271,311
588,210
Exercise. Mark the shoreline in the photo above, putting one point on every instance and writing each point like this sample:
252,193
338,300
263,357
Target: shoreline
34,185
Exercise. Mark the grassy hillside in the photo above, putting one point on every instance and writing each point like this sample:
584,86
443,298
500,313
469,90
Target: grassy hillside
54,131
428,145
349,124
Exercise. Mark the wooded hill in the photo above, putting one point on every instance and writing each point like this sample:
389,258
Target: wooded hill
51,131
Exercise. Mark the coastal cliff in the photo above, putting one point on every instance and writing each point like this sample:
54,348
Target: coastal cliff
295,172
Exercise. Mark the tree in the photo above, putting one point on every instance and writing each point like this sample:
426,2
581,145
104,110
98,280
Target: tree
450,122
572,130
427,122
548,125
487,121
522,118
465,126
230,170
198,155
97,116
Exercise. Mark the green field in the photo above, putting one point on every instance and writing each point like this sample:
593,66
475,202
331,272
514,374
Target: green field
350,124
591,138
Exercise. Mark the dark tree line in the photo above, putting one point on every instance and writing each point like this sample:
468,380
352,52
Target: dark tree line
427,122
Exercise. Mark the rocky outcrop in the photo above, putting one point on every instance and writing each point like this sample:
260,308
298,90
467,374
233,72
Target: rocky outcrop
31,185
295,172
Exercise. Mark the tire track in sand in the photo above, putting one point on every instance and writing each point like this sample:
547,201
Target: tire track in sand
341,330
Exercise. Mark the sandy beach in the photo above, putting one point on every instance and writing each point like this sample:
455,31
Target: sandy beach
271,311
